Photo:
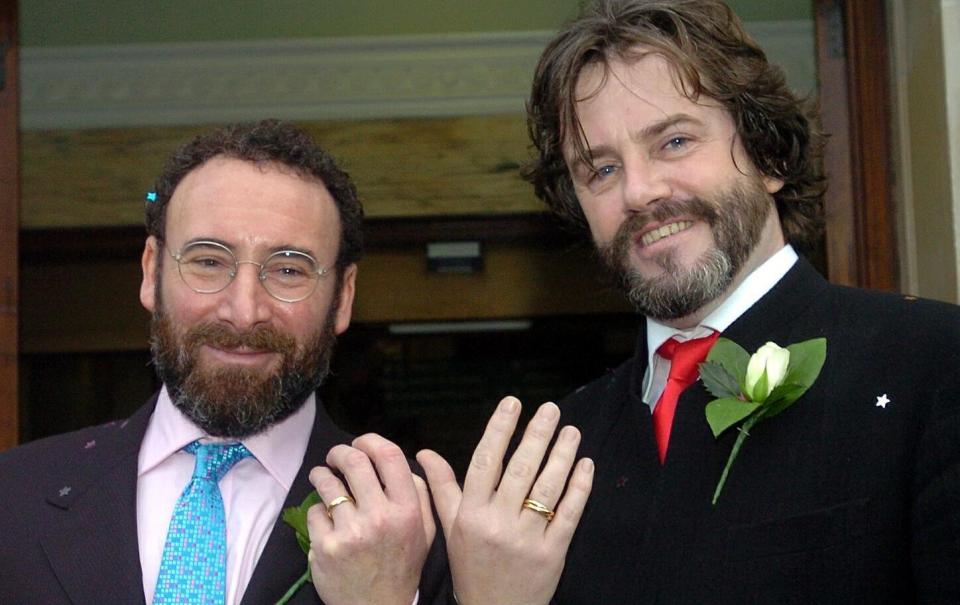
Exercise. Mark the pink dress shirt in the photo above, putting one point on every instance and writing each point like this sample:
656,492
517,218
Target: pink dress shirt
253,491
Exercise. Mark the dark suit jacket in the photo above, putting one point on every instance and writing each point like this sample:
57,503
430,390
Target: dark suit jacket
836,500
68,526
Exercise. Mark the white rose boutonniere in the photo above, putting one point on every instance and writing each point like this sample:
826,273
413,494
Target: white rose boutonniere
766,370
751,388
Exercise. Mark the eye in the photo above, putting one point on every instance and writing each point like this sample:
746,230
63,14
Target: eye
602,172
289,271
207,262
289,268
677,142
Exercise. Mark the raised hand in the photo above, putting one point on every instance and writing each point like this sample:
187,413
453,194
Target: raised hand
501,548
368,543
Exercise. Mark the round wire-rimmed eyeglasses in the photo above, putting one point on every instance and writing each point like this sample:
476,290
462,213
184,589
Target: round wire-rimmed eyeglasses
208,267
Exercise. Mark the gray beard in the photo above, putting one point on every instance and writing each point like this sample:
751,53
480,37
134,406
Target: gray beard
736,219
679,292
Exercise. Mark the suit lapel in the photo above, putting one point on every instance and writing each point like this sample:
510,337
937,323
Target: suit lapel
89,533
774,315
282,562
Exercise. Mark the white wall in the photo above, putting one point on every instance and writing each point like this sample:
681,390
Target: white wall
925,51
951,60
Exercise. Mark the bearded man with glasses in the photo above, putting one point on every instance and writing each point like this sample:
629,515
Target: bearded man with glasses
249,271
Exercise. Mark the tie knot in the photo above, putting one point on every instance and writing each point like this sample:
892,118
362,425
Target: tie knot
215,459
685,356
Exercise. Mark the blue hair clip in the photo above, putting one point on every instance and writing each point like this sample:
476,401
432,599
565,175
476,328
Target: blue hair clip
151,196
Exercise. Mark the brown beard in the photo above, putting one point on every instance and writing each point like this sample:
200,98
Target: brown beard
736,218
238,402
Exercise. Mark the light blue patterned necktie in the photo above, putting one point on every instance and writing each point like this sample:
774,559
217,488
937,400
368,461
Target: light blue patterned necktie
194,566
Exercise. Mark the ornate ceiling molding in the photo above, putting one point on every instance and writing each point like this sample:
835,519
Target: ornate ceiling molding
309,79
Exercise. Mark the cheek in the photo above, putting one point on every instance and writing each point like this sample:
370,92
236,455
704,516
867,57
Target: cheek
300,319
699,241
603,222
183,305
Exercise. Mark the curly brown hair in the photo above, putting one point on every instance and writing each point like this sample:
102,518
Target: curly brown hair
265,141
711,54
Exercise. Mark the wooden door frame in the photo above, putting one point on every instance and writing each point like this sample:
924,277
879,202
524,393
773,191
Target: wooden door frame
855,100
9,224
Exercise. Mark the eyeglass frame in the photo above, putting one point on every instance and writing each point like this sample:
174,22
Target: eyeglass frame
261,276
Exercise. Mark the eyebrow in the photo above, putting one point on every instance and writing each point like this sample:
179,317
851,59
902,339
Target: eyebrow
306,251
647,132
232,248
658,128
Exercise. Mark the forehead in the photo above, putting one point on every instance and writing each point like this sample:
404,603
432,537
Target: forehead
644,74
635,92
253,206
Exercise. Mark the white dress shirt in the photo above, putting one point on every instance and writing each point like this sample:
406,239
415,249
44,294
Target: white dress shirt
254,490
760,281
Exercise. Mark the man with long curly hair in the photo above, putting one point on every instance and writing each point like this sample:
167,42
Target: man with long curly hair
662,130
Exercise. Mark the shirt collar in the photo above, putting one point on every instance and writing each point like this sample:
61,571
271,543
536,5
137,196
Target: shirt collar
280,449
754,287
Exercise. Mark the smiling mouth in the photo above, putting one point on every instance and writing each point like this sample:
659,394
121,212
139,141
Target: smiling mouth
655,235
242,350
239,354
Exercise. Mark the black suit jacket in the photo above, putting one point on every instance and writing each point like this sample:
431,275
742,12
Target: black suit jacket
836,500
68,528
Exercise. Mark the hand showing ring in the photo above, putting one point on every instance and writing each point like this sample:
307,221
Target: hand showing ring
385,534
499,553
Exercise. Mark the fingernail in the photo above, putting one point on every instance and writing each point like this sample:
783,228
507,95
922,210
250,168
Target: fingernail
509,405
587,465
549,411
568,433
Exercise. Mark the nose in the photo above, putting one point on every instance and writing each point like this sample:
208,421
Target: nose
245,303
645,182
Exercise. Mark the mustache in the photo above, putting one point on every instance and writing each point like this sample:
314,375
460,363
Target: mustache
666,210
614,252
260,338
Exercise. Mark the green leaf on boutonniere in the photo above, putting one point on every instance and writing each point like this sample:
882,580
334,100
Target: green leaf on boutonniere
781,398
732,357
726,412
296,517
718,381
806,361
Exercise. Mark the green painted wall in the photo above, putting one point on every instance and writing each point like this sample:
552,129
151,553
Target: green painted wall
86,22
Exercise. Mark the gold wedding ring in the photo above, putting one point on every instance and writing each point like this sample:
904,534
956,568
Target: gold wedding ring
539,507
337,502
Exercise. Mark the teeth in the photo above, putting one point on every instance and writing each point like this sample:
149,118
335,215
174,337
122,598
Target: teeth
658,234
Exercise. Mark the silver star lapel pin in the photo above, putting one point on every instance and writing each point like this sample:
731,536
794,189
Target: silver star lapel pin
882,401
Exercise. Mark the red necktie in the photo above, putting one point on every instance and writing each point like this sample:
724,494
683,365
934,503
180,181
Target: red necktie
684,357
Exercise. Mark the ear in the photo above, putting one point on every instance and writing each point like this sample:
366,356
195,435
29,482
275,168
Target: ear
348,286
772,184
148,264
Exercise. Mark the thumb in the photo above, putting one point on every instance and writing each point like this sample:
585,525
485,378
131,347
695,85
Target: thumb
443,486
426,510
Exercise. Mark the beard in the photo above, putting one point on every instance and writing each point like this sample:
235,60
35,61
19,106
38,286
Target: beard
736,219
238,402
